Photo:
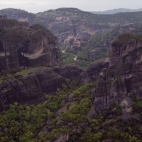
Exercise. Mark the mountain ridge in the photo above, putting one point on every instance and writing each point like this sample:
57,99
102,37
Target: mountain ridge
114,11
64,22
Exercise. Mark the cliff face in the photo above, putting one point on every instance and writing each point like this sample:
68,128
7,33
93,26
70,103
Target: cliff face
24,50
29,86
23,46
122,81
92,72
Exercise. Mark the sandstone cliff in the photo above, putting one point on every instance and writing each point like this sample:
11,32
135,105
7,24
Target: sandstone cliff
29,86
121,82
24,50
91,73
22,46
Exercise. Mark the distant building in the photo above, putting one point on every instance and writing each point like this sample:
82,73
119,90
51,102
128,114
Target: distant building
77,42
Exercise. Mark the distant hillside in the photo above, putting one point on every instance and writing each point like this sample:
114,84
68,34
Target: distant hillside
114,11
73,27
97,46
64,22
18,14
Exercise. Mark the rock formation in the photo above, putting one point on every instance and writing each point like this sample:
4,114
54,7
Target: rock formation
91,73
29,87
68,71
121,82
31,56
22,46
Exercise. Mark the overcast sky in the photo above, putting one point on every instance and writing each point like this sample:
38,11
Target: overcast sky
86,5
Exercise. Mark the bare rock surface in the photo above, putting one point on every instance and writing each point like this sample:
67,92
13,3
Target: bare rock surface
68,71
24,46
30,88
91,73
123,76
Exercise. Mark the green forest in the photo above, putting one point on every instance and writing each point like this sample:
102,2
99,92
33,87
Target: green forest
53,117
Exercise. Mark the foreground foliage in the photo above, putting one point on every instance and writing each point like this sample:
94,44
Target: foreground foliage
59,115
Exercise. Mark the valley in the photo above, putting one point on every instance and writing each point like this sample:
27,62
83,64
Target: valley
80,32
68,75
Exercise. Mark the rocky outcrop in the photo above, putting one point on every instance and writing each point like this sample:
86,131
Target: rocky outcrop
31,87
30,48
22,46
91,73
122,81
49,80
23,90
69,71
93,54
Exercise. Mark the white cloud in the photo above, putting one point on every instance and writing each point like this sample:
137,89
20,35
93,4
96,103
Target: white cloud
33,4
88,5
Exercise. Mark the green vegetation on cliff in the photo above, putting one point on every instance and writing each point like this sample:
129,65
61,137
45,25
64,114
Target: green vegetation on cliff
65,114
21,122
97,46
26,71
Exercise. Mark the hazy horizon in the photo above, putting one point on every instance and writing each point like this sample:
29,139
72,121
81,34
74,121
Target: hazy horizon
35,6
